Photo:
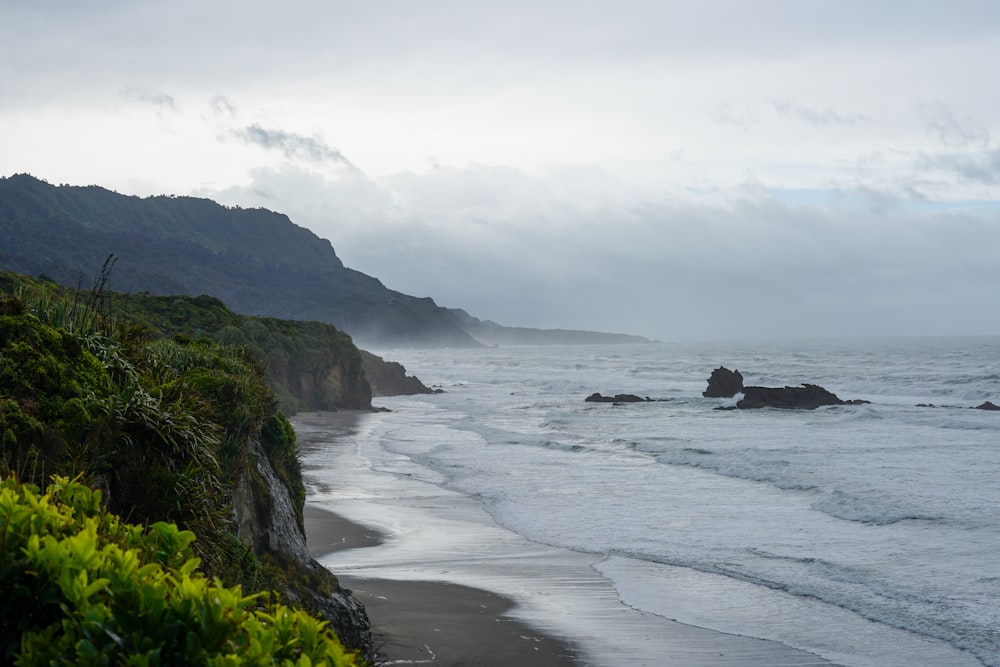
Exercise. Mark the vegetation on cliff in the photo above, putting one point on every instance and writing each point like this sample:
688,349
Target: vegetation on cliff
309,365
84,587
166,429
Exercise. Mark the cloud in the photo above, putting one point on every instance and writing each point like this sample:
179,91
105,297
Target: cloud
338,203
528,250
978,167
158,99
221,106
942,123
292,145
727,115
821,117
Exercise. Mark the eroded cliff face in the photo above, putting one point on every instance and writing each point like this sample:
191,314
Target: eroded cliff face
333,383
389,378
326,389
326,384
269,524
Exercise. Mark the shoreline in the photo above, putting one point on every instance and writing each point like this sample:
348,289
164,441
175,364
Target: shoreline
430,622
424,622
438,542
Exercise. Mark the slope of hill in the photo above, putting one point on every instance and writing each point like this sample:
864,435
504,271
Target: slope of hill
256,261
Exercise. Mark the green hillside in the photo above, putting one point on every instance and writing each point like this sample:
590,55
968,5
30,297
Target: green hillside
256,261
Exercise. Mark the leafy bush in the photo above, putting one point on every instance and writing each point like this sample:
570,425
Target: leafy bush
44,375
84,588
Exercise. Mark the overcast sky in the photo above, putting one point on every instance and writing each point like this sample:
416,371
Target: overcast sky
671,169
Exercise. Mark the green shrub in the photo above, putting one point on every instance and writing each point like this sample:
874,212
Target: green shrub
45,375
84,588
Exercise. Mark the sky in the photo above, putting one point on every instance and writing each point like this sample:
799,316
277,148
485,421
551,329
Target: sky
678,170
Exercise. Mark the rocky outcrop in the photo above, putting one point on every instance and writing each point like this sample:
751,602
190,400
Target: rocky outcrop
389,378
806,397
617,398
724,383
988,405
269,525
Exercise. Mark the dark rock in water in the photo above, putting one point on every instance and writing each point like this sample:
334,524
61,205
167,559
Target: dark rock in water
617,398
988,405
806,397
724,383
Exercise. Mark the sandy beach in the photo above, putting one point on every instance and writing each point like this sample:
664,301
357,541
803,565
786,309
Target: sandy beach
434,623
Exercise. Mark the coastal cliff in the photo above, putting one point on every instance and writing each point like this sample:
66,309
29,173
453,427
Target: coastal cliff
171,430
389,378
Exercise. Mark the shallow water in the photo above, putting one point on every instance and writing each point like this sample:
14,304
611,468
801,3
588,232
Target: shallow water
863,534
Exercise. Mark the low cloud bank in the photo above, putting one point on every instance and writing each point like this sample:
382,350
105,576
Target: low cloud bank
526,250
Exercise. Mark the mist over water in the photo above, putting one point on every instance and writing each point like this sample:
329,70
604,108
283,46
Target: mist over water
865,534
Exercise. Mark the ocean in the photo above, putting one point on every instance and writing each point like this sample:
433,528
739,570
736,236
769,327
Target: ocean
859,534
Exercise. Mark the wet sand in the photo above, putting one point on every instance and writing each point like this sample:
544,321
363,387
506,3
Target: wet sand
433,623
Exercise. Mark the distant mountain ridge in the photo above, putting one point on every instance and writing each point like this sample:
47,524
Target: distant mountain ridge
256,261
491,333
